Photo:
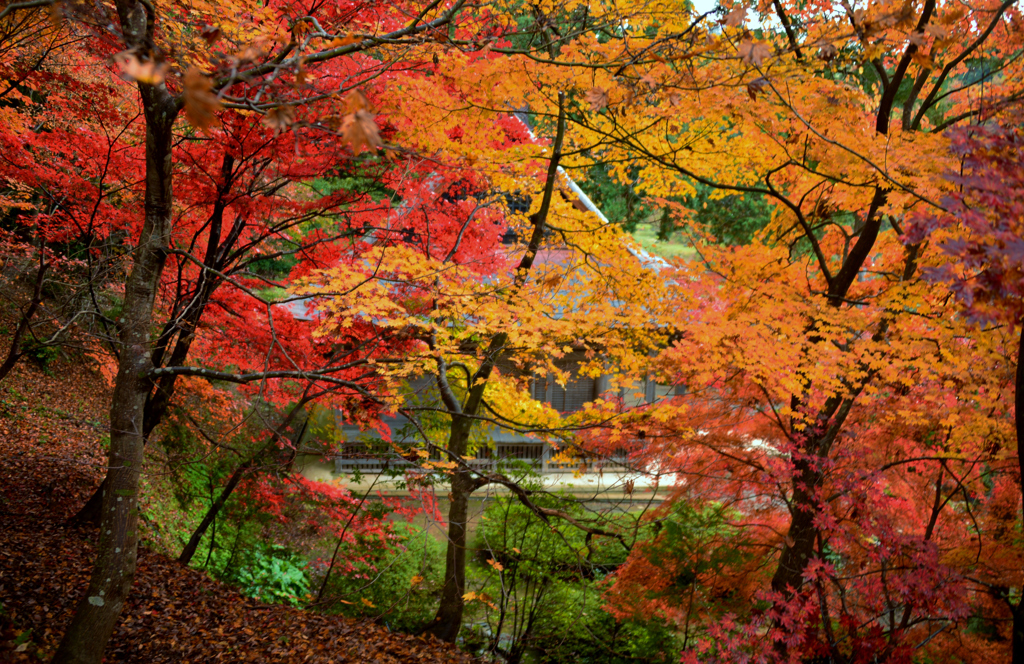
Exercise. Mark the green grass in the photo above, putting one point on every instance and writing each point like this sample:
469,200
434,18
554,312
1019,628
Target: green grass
675,247
272,293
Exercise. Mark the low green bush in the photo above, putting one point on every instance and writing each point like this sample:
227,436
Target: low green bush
271,574
41,354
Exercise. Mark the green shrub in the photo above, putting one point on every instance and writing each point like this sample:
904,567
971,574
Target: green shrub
271,574
43,355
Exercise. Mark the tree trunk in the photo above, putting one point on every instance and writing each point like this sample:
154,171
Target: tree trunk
90,513
14,353
114,571
448,621
211,514
799,545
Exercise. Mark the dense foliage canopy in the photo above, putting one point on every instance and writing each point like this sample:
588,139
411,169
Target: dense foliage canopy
249,213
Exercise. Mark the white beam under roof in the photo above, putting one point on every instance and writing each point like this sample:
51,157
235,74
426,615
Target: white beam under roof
646,259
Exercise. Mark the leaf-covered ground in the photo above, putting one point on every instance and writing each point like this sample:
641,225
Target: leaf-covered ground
51,433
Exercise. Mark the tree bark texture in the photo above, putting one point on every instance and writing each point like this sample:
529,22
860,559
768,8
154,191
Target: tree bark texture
114,571
799,546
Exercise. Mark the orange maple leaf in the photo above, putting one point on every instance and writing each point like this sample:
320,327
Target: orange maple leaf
736,17
133,69
360,131
279,118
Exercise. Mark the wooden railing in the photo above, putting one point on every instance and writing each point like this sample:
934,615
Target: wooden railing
541,458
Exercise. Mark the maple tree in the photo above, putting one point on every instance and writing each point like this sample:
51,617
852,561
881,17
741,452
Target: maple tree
235,211
192,250
481,341
66,170
837,115
980,231
52,426
796,346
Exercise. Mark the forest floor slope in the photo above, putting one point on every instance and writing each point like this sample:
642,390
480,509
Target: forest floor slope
52,424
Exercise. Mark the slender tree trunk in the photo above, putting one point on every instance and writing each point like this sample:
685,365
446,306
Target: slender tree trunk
114,571
211,514
448,621
14,353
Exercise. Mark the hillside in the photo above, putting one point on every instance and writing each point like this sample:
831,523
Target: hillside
51,433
